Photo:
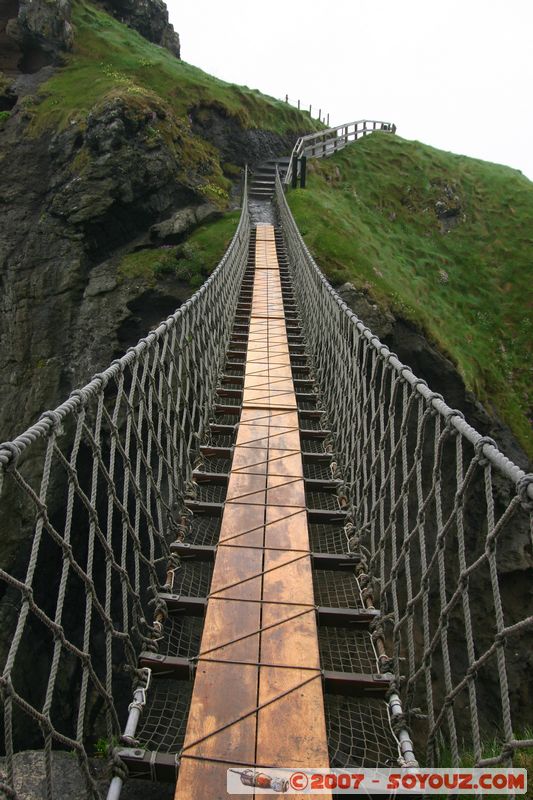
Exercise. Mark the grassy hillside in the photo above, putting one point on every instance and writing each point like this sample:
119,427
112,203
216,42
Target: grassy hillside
442,240
110,59
193,261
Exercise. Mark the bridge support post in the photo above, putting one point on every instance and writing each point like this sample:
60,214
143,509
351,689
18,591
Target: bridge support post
294,172
303,170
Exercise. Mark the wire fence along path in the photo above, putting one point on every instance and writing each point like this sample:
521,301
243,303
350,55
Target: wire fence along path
445,522
94,495
91,499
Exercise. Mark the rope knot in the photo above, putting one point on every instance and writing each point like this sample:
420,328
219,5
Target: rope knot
478,448
119,365
9,457
102,378
464,581
500,639
522,487
386,664
159,606
55,421
118,767
453,414
27,592
191,490
82,395
430,400
398,723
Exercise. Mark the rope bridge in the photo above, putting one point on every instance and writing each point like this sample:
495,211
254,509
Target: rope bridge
105,501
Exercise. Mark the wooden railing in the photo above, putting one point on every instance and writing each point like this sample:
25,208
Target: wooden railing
328,142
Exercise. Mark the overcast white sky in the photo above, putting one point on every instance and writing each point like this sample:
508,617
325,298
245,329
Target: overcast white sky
456,74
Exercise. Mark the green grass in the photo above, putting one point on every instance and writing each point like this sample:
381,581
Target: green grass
191,262
110,58
522,759
368,215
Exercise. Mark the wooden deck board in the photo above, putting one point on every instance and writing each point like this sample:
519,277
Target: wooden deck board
263,555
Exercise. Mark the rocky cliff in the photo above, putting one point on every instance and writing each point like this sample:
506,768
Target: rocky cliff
34,33
149,18
99,143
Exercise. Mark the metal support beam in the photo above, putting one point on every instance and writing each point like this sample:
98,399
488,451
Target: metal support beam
353,684
313,514
329,561
180,669
190,606
346,617
333,617
222,478
347,683
149,765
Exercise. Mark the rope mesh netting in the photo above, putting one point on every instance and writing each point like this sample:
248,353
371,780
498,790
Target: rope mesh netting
443,521
180,636
164,721
92,495
328,538
359,733
347,650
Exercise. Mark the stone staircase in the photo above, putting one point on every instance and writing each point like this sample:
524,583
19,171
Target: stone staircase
263,177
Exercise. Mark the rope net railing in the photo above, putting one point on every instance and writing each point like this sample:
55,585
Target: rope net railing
443,521
92,495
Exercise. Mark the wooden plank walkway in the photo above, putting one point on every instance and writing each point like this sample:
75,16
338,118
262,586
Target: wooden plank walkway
257,695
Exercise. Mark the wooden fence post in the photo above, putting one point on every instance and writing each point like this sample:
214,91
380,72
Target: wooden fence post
303,169
294,176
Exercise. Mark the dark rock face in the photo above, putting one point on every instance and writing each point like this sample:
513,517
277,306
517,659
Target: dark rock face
8,97
9,50
173,229
34,33
41,31
237,144
149,18
71,204
449,206
379,320
68,781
